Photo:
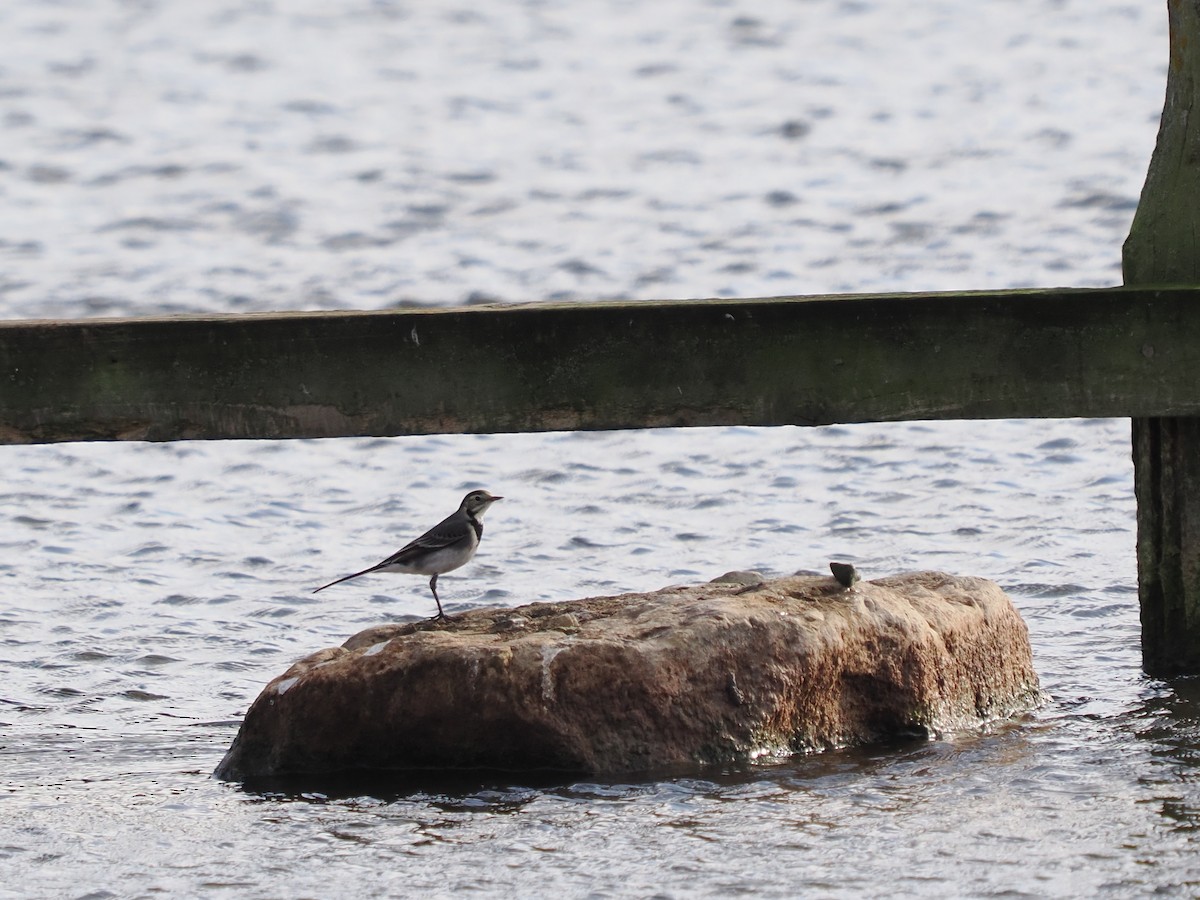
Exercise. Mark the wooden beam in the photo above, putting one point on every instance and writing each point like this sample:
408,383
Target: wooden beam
774,361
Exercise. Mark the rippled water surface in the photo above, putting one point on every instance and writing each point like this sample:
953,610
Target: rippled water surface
228,157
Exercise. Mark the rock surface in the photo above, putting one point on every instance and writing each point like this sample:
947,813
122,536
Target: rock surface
693,675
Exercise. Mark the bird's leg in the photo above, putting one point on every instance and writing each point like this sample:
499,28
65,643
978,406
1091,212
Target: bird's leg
433,587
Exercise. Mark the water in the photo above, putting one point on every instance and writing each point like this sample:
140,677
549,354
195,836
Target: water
211,158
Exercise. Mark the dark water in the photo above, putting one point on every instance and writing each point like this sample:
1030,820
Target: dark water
225,157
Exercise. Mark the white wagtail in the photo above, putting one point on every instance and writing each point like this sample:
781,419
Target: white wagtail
444,547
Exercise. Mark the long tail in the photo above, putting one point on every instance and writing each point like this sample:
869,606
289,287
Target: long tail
347,578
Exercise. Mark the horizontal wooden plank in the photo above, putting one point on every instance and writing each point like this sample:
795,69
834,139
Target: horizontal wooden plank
545,367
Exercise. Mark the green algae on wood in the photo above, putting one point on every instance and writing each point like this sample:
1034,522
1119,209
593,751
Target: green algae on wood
549,367
1164,247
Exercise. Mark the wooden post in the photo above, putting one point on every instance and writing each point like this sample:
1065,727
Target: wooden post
1164,248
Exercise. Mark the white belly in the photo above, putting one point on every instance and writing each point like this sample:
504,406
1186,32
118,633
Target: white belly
445,560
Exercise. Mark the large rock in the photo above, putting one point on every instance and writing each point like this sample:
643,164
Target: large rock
695,675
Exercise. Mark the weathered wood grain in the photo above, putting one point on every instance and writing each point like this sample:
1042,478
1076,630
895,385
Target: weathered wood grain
1164,246
774,361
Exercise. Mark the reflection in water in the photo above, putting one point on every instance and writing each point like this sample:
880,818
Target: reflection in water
1168,722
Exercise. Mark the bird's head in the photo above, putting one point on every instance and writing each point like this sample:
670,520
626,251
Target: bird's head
475,504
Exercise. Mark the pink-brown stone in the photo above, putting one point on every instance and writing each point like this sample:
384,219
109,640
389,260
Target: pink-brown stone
691,675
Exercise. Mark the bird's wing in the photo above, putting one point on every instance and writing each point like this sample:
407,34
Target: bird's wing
445,533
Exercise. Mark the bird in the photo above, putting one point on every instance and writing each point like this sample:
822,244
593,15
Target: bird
847,576
444,547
